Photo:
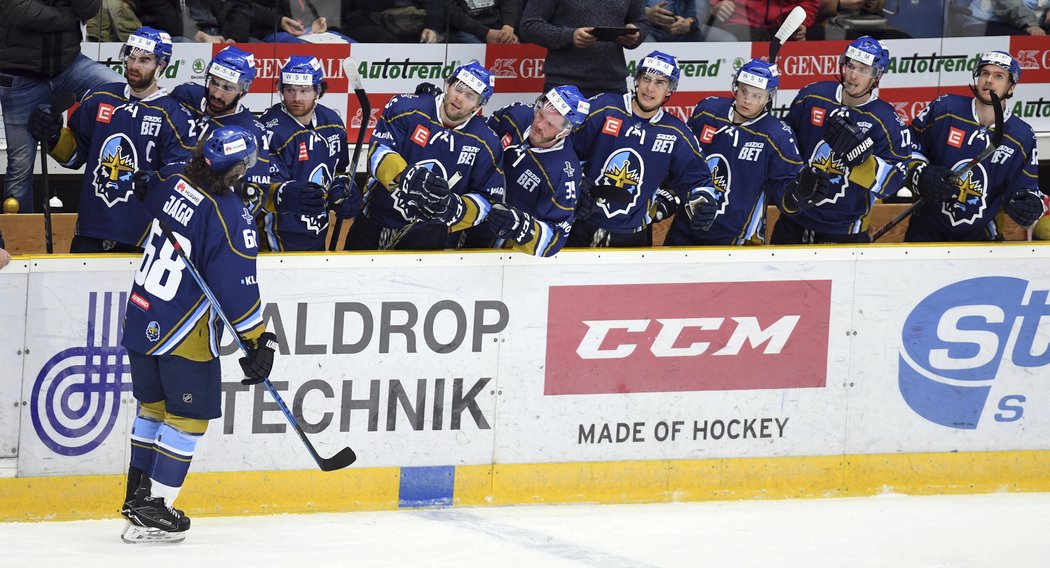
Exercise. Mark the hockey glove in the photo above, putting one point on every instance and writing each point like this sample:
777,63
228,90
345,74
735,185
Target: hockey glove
936,184
45,126
344,197
702,209
259,360
809,188
1025,207
300,198
140,182
848,142
511,223
418,186
585,205
426,88
665,204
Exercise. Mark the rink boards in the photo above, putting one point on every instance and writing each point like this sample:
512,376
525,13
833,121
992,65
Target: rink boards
613,376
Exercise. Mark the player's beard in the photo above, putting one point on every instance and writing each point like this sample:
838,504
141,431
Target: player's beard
301,110
217,107
142,82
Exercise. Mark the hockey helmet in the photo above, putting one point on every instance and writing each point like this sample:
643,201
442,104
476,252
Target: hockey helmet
302,70
759,74
475,76
570,103
228,146
660,63
1002,59
234,65
869,51
149,40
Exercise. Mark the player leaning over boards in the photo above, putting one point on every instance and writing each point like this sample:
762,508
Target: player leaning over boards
854,139
171,334
751,155
421,144
309,145
947,135
638,163
542,171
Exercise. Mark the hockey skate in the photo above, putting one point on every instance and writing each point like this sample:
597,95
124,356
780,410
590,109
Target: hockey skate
151,520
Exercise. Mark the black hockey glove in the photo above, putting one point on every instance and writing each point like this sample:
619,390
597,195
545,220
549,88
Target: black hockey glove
702,209
426,88
809,188
511,223
45,126
300,198
936,184
665,204
259,360
344,197
419,186
848,142
1025,207
140,182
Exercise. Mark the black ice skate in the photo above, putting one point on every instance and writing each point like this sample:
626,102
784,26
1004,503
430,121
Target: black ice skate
151,520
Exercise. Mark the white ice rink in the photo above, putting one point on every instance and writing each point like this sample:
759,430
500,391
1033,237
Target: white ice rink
886,531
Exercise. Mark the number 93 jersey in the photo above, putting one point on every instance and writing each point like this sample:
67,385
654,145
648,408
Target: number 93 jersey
167,311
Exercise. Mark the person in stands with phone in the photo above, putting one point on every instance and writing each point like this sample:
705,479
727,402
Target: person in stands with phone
575,56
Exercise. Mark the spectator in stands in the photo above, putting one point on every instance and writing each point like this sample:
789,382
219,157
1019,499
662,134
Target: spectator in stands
851,19
393,21
1041,9
40,60
682,20
992,18
483,21
574,55
758,20
5,257
114,22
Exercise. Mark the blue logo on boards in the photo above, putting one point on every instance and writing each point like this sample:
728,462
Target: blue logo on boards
954,344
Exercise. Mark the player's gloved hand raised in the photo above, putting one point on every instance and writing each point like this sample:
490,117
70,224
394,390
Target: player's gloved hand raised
343,197
936,184
45,125
847,141
420,186
426,88
810,187
300,198
511,223
140,183
702,208
665,204
1025,207
259,360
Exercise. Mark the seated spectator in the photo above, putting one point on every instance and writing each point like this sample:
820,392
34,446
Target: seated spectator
682,20
116,20
1041,9
758,20
851,19
394,21
992,18
483,21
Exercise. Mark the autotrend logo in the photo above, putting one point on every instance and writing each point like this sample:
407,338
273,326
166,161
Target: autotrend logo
954,343
76,396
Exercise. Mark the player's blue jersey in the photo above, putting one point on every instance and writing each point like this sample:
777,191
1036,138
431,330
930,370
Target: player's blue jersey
540,181
847,208
749,162
948,133
167,312
316,152
628,158
115,135
410,127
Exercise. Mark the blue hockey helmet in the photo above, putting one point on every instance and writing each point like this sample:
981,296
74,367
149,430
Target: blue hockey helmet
304,70
660,63
475,76
234,65
1002,59
228,146
149,40
869,51
759,74
570,103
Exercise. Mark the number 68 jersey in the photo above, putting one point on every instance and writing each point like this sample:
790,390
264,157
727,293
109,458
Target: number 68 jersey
167,311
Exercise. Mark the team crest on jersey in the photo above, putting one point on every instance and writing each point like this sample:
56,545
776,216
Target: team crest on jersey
621,174
117,161
721,177
153,331
319,222
838,173
971,203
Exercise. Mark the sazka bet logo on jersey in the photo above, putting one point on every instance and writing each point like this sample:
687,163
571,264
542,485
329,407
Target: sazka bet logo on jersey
954,344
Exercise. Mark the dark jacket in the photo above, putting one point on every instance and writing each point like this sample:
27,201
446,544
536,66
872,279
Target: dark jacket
478,22
40,38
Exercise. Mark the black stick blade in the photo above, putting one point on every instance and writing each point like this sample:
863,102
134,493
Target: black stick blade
345,457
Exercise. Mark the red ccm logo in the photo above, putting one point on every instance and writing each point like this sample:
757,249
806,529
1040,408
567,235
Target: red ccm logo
687,337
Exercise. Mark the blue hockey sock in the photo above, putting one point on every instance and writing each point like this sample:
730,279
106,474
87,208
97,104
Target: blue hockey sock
143,434
174,451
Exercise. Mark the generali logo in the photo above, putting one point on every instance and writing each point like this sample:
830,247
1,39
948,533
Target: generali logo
518,68
687,337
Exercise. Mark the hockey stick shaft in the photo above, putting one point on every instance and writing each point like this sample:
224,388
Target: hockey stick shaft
997,138
60,106
354,78
346,456
784,33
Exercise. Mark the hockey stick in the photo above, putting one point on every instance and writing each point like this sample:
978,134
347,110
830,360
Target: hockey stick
346,456
400,233
997,138
784,33
350,70
60,106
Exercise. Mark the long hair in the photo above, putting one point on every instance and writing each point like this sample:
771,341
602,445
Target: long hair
202,176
